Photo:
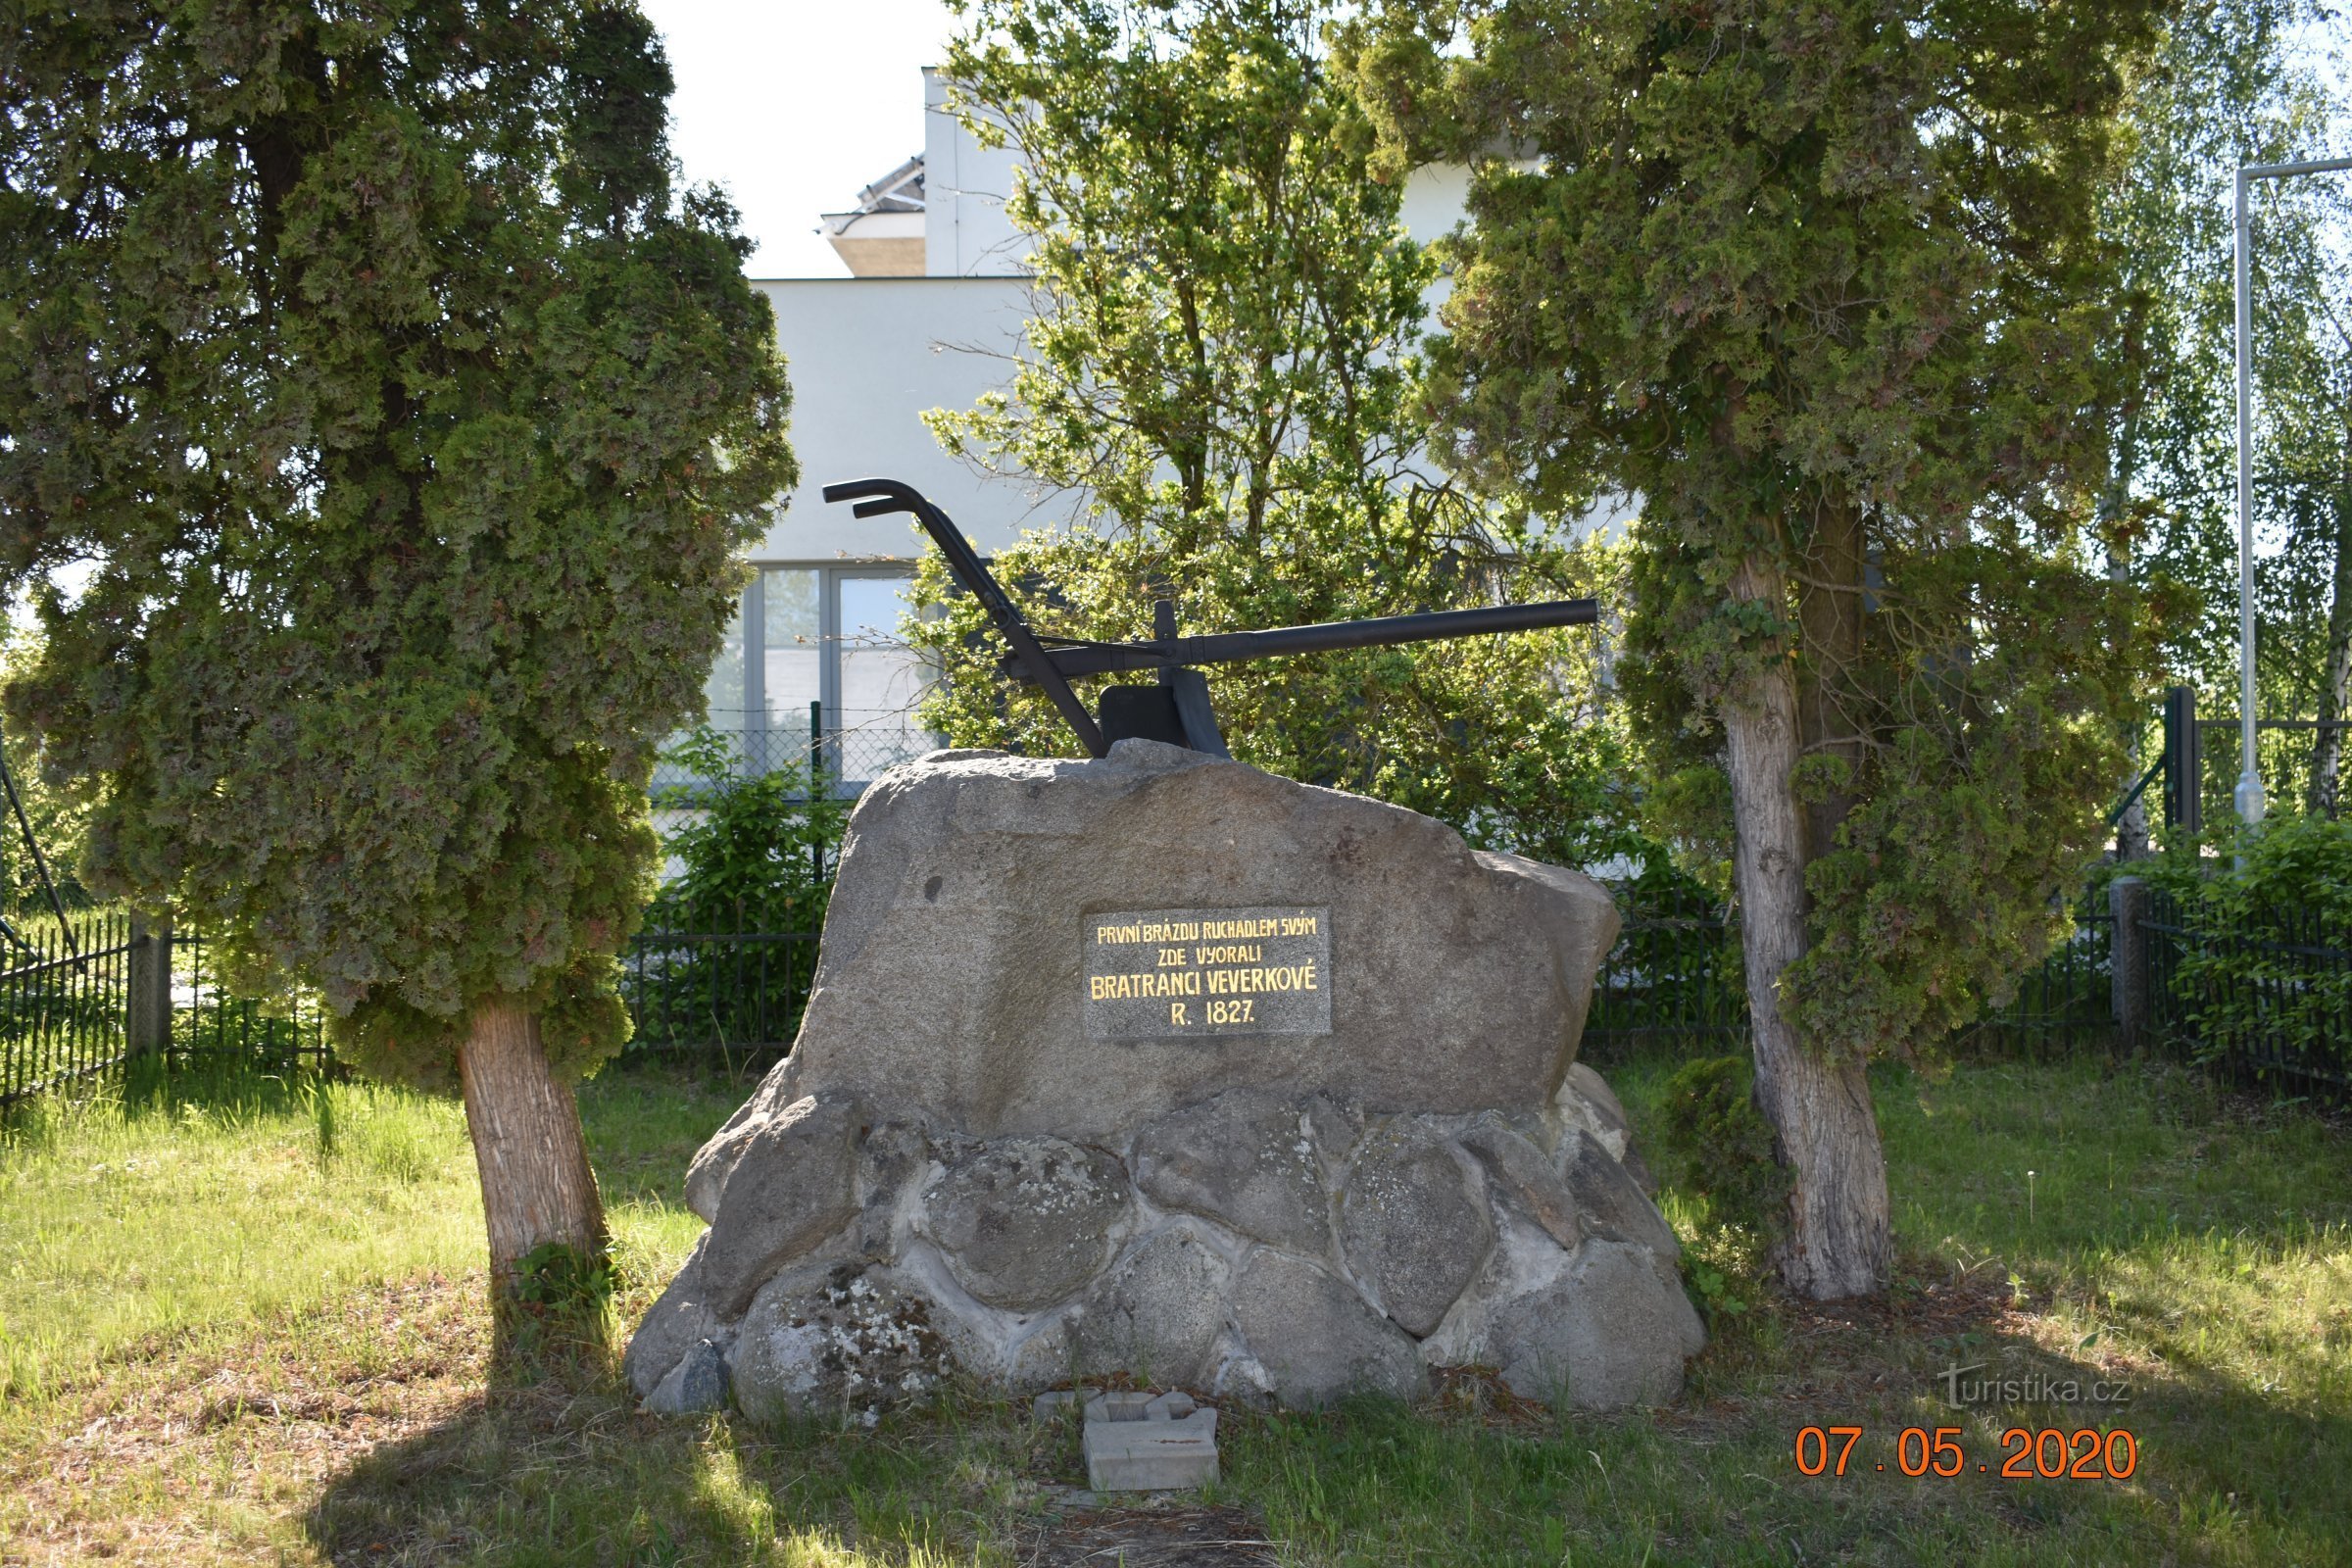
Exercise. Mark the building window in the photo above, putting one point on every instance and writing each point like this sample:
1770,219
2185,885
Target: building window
827,638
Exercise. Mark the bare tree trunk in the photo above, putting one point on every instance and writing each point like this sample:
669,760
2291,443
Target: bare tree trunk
2132,829
2328,751
1838,1241
1829,621
537,1186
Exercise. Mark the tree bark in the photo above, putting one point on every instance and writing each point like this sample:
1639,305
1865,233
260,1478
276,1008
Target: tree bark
1838,1241
1829,621
537,1186
2328,749
2132,829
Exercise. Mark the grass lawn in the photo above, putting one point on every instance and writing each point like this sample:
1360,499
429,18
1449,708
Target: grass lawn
245,1325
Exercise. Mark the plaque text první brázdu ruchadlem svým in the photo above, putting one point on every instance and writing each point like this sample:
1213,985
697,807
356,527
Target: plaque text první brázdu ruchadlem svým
1156,973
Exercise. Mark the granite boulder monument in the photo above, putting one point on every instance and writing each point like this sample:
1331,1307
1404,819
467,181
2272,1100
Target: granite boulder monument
1157,1064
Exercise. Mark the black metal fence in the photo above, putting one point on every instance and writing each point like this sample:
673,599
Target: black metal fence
63,1003
1675,978
2064,1002
2274,1005
733,996
2270,1006
80,997
1673,974
208,1022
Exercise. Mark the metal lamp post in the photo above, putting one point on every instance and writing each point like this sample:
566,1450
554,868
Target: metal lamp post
2249,779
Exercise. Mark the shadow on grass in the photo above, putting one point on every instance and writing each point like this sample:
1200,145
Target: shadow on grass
232,1085
2232,1466
552,1465
2232,1462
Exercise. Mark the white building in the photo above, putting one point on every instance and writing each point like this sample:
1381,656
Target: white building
933,305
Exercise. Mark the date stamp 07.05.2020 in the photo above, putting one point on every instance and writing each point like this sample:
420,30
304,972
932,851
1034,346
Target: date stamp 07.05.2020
2049,1454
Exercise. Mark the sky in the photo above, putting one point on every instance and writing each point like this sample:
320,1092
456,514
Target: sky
792,105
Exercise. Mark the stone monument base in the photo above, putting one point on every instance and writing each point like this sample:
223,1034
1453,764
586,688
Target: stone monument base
1165,1067
1247,1246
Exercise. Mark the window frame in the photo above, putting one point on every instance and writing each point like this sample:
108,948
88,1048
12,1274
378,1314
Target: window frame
752,606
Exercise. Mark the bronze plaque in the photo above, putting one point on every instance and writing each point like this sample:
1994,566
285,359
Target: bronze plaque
1171,973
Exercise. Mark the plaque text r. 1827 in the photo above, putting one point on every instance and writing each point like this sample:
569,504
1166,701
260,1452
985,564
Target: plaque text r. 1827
1159,972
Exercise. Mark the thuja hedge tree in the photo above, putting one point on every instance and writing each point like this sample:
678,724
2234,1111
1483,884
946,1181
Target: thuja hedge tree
1218,376
377,428
1816,279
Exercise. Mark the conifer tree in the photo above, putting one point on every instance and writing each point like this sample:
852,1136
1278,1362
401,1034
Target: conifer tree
1819,281
377,428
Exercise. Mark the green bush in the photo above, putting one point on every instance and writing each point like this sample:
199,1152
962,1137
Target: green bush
2250,898
1712,1126
755,850
756,855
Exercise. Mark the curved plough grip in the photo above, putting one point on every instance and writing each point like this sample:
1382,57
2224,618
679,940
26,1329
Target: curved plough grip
1177,710
878,497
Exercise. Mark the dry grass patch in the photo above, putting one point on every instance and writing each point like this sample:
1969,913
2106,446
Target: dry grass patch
196,1456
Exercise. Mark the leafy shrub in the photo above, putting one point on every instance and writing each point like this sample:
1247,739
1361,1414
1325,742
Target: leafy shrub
557,1277
755,850
756,854
561,1300
1724,1145
2256,902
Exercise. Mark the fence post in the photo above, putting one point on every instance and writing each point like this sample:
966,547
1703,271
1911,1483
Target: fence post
2184,763
148,1026
2127,958
816,782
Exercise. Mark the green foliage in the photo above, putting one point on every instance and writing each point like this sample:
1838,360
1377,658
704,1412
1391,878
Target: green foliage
560,1295
2290,867
1709,1119
1718,1293
1952,870
405,420
756,851
60,820
2230,84
1828,298
757,854
2252,900
1223,365
554,1274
